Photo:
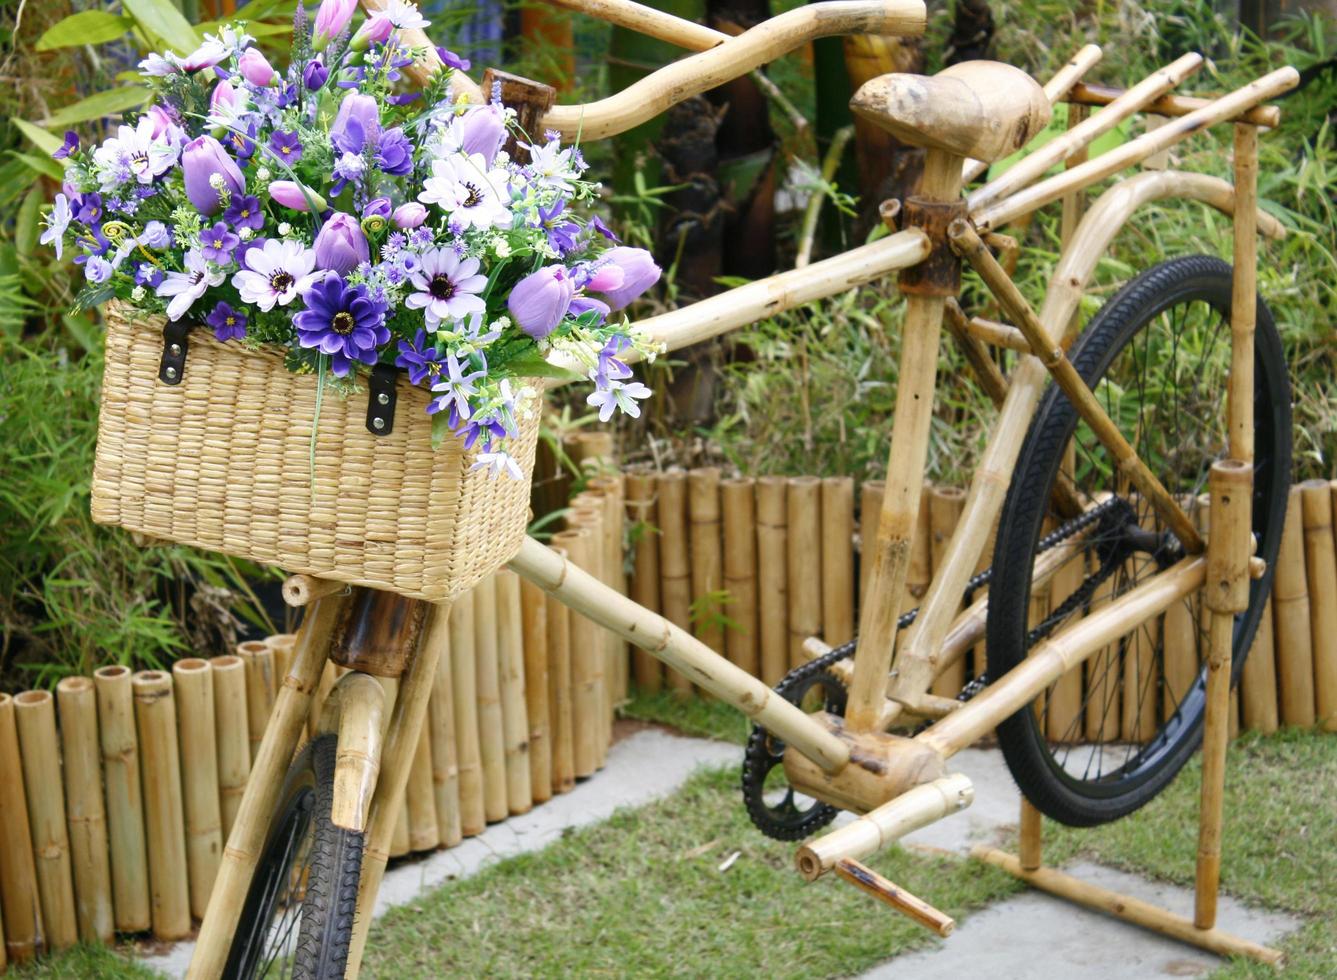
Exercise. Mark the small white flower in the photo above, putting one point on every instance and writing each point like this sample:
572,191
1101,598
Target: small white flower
262,173
497,463
217,182
447,287
502,248
553,166
285,229
137,294
404,15
134,154
276,272
186,287
472,193
56,224
246,234
618,396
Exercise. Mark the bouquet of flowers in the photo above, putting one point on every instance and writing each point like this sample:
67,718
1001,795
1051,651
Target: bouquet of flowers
331,211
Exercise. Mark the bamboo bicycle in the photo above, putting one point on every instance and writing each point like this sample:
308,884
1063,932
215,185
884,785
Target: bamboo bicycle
1095,483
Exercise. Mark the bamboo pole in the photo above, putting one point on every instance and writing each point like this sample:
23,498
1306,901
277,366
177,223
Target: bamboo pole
85,811
1135,150
230,735
283,645
1258,685
837,560
1141,680
192,680
738,505
614,519
1090,94
19,903
586,682
803,521
944,508
355,714
441,721
511,663
677,648
258,659
420,797
590,645
262,790
534,627
641,509
399,838
1104,687
34,712
1290,613
559,690
1321,574
703,508
870,506
649,21
772,578
464,672
487,681
675,570
912,907
164,829
302,590
1126,907
1030,836
125,806
329,676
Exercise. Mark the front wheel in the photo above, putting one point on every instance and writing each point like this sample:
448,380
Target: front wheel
298,916
1110,735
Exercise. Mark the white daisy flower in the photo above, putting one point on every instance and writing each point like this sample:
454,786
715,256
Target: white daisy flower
186,287
276,272
472,193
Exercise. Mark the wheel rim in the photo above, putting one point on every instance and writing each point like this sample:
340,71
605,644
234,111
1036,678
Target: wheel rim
281,879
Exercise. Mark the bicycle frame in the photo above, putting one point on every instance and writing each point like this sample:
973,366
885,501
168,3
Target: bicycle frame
897,783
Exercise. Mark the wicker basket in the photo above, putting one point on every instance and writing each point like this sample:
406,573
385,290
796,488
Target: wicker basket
222,460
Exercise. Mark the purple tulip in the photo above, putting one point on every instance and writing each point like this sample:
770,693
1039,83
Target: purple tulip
451,60
377,208
223,101
482,130
357,122
255,69
409,215
163,121
376,30
639,273
332,17
540,300
203,157
293,195
341,245
315,74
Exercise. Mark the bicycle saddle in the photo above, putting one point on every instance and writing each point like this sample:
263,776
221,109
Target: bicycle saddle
983,110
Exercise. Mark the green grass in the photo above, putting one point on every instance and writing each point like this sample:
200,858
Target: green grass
641,895
691,716
86,963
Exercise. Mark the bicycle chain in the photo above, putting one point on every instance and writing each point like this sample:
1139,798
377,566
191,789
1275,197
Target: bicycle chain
765,751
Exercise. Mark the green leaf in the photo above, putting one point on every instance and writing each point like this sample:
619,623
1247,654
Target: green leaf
111,102
532,365
254,28
161,19
43,166
26,228
38,136
85,27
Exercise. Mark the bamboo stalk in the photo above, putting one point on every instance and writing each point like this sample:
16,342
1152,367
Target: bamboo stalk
677,648
34,713
1083,135
1243,295
675,570
230,735
84,808
586,680
1126,907
125,807
283,645
641,509
1089,94
464,673
803,521
261,796
355,713
559,691
19,903
738,505
870,506
916,909
1258,684
703,508
614,518
192,681
1321,574
420,797
441,720
534,626
302,590
260,688
164,829
944,509
1290,613
649,21
399,838
329,676
587,513
1135,150
511,664
487,690
837,560
772,578
1141,680
1029,838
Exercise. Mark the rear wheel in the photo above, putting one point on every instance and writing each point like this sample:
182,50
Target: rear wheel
298,917
1108,737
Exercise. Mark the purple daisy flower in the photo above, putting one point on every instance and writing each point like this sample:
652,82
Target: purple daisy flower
217,243
342,321
286,146
228,324
245,212
419,359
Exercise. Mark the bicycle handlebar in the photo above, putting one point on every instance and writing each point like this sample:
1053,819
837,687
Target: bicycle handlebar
700,72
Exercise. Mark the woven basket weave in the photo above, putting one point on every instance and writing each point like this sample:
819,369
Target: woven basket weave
223,461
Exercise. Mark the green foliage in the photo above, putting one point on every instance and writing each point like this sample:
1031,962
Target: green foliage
85,27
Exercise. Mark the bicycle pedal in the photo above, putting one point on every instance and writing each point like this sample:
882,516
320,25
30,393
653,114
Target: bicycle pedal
912,907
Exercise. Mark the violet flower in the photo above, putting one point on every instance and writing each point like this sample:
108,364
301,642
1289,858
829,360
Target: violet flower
421,360
343,321
451,60
332,17
315,75
286,146
69,146
228,323
255,69
202,159
481,129
56,224
217,243
453,388
340,245
377,207
540,300
357,122
245,212
394,153
638,273
618,395
293,195
409,215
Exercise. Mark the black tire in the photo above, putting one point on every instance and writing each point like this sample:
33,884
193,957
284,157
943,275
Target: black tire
1187,291
301,844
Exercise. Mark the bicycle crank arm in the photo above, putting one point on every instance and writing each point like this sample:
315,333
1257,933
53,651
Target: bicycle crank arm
912,907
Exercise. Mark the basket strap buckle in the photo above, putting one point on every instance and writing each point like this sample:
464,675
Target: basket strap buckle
172,367
381,399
